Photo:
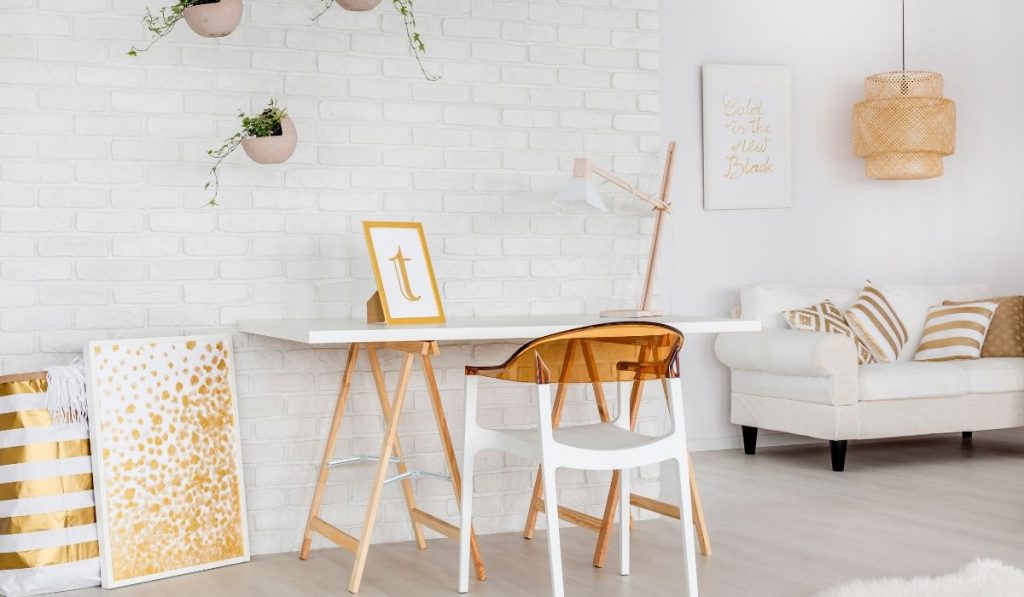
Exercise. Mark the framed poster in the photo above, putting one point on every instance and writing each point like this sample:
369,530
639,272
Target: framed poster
167,460
747,153
406,287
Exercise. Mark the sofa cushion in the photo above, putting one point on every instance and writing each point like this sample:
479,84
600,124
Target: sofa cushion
989,376
876,324
895,381
955,332
827,318
913,302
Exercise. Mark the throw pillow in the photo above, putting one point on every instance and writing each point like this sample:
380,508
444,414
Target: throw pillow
828,318
875,322
1006,333
47,518
955,331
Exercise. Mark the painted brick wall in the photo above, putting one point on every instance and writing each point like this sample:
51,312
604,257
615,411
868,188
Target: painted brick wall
103,233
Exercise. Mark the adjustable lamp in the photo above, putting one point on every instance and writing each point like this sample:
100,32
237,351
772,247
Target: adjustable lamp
582,189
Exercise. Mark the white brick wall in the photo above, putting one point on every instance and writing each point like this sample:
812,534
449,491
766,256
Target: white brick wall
103,233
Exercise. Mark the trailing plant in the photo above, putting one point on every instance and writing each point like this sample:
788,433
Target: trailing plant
405,10
162,23
265,124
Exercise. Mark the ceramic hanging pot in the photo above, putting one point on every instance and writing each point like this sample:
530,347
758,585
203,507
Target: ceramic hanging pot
214,19
358,4
273,149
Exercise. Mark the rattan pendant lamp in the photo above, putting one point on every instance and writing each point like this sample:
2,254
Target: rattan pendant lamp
904,127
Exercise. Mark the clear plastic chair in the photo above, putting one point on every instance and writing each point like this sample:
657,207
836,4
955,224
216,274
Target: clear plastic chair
612,352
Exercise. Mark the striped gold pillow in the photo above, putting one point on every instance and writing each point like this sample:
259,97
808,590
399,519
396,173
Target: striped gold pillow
955,331
828,318
877,324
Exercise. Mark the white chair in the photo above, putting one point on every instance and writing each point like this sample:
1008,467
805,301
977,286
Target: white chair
614,352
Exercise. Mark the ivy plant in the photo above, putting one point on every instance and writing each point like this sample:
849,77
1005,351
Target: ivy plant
405,10
161,23
265,124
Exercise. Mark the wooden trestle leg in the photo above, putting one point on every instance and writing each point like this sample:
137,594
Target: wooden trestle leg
390,447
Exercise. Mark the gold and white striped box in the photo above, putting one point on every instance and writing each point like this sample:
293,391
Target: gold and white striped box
48,537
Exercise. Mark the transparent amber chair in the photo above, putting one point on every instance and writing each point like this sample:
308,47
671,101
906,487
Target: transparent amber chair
612,352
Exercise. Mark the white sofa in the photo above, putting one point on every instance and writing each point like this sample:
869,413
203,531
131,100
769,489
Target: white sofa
810,384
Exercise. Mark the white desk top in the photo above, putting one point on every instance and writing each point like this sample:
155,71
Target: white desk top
344,331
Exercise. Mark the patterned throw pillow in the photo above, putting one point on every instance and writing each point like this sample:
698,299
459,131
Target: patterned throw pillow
828,318
876,323
955,331
1006,334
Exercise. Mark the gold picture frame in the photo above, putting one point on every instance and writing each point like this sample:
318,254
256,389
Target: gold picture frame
402,247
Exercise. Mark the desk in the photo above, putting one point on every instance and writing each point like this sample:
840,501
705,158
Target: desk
421,342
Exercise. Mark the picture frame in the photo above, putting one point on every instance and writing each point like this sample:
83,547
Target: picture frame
163,414
747,117
407,291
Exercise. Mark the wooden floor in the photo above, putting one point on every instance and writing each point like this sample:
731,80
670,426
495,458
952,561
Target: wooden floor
781,522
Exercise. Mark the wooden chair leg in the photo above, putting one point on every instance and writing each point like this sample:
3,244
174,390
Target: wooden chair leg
703,539
378,482
453,463
332,438
605,533
385,407
556,418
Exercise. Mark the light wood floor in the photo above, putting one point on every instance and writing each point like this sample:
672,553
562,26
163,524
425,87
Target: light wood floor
781,522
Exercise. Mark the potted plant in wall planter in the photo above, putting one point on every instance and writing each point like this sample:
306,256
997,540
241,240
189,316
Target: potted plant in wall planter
267,138
404,8
209,18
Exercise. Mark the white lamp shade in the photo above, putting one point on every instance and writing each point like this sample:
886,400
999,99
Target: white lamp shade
581,190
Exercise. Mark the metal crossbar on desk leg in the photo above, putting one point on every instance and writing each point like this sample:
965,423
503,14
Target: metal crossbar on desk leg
390,453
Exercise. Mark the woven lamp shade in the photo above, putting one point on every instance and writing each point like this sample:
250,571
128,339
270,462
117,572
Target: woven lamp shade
904,127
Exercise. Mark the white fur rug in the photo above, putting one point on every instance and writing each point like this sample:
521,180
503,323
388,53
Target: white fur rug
981,578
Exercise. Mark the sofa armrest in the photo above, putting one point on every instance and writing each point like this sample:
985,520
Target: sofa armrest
789,352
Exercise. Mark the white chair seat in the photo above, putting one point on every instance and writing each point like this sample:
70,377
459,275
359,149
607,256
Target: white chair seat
601,437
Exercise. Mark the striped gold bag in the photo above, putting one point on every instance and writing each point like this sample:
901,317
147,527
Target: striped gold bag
48,539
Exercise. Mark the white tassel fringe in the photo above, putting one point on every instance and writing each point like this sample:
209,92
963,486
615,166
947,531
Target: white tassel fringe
65,393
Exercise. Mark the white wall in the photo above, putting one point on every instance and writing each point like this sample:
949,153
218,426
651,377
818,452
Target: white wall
102,233
843,227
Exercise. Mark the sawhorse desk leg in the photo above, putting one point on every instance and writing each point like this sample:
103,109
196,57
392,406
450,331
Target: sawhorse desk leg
390,452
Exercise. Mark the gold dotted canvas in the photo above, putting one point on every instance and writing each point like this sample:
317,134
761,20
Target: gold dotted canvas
165,438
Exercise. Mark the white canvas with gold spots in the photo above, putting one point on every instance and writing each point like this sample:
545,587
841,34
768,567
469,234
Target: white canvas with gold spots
166,457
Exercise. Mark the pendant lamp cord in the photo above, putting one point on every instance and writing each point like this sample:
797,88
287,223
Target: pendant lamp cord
903,35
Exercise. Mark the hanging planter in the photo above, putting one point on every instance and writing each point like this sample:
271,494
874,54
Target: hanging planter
267,138
358,5
404,8
209,18
214,19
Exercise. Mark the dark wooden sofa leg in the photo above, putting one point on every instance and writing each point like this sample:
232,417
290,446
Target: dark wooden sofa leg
967,434
749,439
838,449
